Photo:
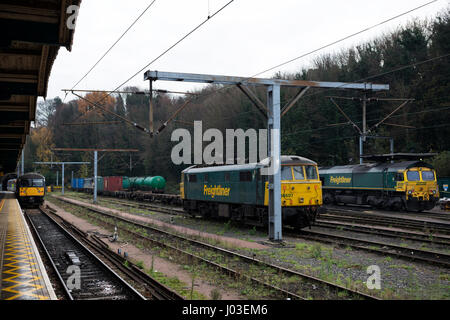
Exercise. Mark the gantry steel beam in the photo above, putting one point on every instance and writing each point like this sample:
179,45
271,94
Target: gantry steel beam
95,160
62,169
272,108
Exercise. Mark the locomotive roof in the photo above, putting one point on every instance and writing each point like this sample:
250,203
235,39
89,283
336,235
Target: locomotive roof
378,166
8,176
398,156
31,175
285,160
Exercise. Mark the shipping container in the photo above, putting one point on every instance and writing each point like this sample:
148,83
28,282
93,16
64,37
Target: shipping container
79,183
113,183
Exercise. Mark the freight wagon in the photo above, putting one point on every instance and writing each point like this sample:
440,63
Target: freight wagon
140,188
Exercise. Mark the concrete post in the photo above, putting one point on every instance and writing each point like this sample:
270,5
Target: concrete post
274,148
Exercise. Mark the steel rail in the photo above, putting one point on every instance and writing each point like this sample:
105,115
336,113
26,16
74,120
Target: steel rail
156,289
111,274
390,249
385,232
245,258
431,257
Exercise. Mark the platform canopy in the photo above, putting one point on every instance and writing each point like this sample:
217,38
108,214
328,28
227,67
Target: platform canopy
31,33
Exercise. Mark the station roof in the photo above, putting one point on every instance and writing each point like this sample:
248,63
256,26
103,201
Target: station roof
31,34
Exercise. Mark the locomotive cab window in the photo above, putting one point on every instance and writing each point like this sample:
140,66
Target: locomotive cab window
286,173
399,176
413,176
427,175
298,173
245,176
24,183
227,176
205,177
192,178
38,183
311,172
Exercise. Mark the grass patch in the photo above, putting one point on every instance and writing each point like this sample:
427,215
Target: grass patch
175,284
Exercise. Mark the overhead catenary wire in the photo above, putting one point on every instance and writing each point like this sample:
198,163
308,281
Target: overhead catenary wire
327,90
296,58
313,51
345,38
114,44
159,56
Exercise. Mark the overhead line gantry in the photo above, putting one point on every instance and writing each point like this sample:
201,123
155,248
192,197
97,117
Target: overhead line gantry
272,110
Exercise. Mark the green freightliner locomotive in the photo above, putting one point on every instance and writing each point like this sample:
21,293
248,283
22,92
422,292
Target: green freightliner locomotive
404,185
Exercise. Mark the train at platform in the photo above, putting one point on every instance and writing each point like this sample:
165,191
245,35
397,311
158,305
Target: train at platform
403,185
5,178
30,189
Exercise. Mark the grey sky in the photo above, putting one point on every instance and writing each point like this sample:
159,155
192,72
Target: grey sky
247,37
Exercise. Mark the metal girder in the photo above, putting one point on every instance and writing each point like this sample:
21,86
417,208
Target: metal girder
273,114
219,79
61,162
254,99
94,149
294,100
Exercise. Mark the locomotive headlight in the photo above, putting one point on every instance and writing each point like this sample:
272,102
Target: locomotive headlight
301,200
410,192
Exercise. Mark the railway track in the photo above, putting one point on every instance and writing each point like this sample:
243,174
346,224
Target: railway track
173,210
403,214
295,285
150,288
384,248
72,261
430,227
386,232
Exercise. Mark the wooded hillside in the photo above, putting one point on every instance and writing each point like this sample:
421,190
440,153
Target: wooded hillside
413,60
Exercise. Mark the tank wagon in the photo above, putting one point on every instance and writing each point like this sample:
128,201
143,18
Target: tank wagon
240,192
404,185
149,188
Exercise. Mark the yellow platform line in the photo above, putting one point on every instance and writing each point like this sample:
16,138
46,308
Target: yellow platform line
1,205
20,278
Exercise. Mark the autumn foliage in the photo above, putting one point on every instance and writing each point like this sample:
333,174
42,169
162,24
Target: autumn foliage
107,102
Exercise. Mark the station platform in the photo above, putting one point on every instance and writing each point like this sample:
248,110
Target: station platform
23,275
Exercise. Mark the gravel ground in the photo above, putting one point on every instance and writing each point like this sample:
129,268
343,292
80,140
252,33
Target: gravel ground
400,279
